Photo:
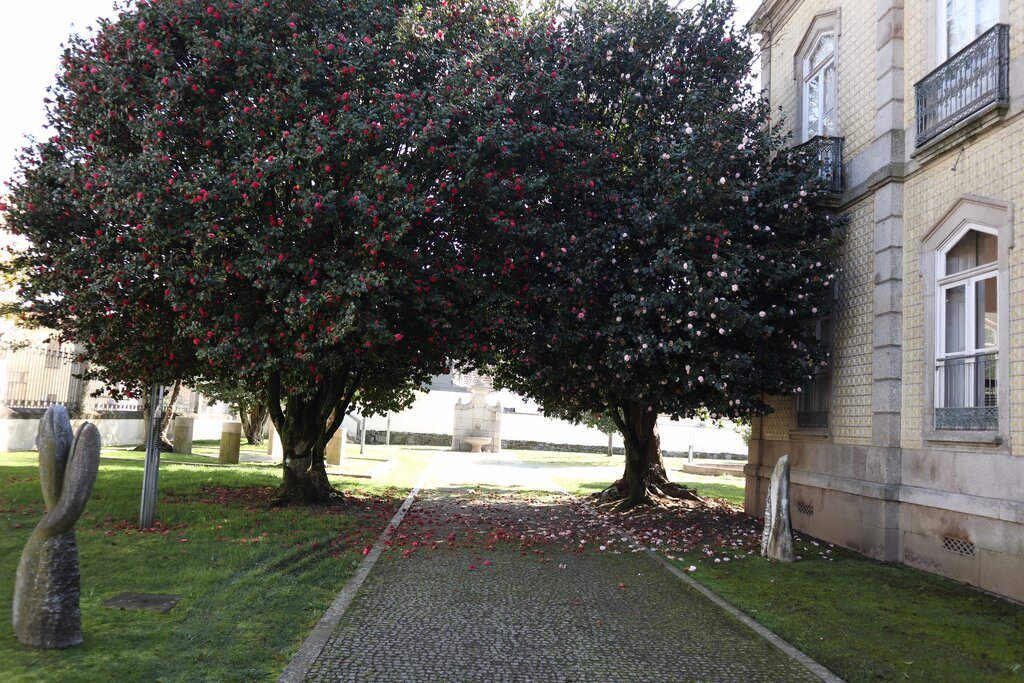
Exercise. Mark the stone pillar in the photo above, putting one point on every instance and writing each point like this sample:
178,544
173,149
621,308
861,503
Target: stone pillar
755,484
885,456
274,447
777,539
182,440
230,443
336,447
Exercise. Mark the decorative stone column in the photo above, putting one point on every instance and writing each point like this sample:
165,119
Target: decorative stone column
230,443
182,439
335,453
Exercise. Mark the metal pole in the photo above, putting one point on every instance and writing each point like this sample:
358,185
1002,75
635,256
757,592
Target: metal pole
610,444
362,434
387,434
151,470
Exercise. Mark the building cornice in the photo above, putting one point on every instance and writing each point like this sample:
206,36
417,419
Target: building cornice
770,13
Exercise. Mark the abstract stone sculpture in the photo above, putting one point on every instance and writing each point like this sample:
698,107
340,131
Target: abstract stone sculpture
47,587
777,540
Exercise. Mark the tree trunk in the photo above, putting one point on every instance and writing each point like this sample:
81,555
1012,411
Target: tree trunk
254,418
644,475
147,411
305,424
165,423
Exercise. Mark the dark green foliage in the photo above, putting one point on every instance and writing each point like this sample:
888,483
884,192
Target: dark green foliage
256,193
663,244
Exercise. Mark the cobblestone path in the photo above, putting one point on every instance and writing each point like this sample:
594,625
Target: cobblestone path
486,607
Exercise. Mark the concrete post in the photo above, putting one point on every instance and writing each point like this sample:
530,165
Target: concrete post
230,443
182,441
274,447
335,453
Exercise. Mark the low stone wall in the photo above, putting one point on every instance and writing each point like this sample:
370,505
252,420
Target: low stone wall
18,430
377,436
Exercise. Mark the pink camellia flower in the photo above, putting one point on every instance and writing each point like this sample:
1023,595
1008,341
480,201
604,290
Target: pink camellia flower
398,336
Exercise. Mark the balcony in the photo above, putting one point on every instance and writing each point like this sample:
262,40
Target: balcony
975,79
829,153
968,397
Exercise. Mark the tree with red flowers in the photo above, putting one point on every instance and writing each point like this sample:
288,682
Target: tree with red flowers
253,193
664,246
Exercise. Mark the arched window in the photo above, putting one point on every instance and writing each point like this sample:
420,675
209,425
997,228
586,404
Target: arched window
967,339
819,87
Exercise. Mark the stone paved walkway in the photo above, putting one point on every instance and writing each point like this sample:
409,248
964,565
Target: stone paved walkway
549,616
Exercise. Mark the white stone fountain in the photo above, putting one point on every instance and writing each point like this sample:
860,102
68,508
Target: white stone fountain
477,424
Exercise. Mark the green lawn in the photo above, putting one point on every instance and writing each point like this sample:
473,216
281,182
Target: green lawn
253,579
864,620
871,621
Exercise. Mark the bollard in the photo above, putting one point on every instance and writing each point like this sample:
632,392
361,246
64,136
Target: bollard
183,427
336,447
230,443
274,448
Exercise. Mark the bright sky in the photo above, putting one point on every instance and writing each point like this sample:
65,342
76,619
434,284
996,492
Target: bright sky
31,32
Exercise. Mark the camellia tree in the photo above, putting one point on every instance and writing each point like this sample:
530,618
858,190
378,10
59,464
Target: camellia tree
260,193
663,244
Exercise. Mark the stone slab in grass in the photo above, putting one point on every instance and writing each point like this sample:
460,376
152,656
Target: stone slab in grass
149,601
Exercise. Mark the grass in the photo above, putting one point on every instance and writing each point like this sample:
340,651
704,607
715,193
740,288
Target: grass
862,619
585,473
871,621
253,579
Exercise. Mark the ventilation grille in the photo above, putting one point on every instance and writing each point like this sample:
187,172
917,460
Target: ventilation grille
958,546
805,509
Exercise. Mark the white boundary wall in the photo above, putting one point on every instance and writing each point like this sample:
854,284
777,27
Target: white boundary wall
434,413
19,434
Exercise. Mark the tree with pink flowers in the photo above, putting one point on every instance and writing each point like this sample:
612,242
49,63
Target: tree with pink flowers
259,194
664,249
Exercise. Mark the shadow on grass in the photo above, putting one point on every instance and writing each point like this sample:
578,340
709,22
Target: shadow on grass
254,579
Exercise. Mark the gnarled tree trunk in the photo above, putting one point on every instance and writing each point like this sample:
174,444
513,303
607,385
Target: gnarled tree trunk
165,423
305,424
254,418
644,474
147,410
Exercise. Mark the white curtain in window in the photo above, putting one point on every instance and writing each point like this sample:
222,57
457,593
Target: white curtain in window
965,20
820,88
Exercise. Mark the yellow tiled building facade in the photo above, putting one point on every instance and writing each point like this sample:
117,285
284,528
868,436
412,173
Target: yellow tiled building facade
910,447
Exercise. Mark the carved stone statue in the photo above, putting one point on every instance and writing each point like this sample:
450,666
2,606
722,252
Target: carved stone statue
47,587
777,540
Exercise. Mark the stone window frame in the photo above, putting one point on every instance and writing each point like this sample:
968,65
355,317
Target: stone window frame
997,217
826,22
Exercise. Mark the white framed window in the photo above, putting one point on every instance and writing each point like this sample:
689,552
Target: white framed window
819,87
960,22
968,330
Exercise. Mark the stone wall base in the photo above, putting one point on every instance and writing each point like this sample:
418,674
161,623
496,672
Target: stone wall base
979,543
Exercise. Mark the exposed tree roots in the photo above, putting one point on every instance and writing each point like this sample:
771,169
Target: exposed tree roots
658,489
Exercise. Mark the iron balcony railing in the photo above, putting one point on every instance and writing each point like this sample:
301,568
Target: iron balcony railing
971,80
812,405
968,396
829,152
